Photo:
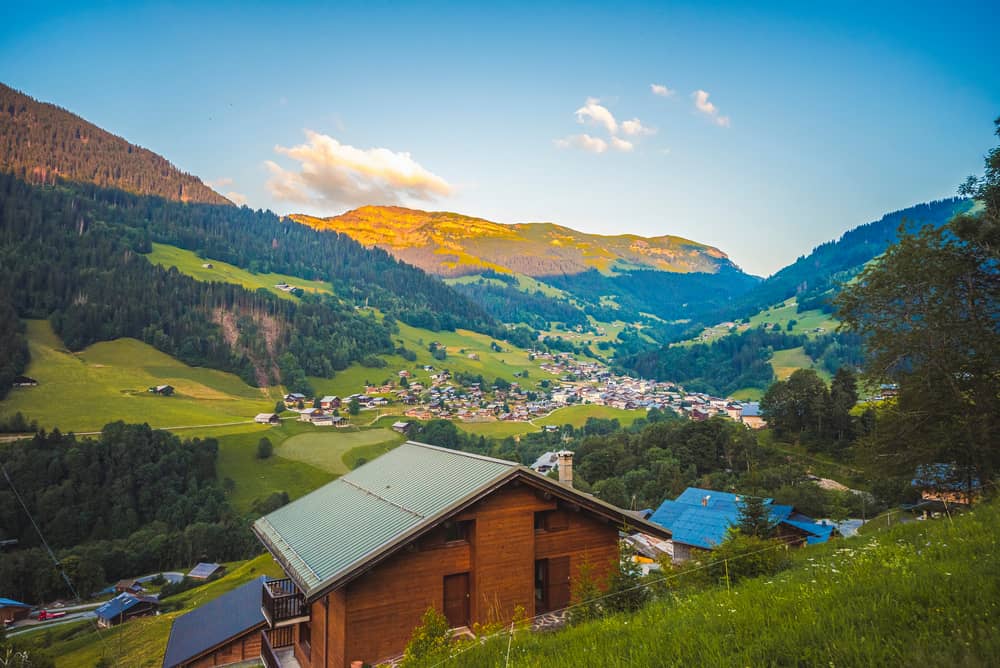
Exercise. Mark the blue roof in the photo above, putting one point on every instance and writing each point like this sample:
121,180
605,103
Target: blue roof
751,409
117,606
11,603
702,517
219,620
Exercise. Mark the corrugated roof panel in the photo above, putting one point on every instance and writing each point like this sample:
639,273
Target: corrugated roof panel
326,533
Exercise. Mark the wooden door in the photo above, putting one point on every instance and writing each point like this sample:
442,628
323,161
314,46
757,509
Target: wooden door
456,599
558,584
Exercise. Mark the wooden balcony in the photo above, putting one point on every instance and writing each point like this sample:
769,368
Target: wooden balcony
283,604
274,655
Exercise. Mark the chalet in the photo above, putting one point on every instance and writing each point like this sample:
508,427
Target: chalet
224,631
294,398
267,418
329,402
322,420
751,417
545,462
422,526
310,414
206,571
24,381
402,427
124,607
165,390
700,519
947,483
13,611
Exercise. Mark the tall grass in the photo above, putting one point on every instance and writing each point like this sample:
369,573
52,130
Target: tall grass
923,594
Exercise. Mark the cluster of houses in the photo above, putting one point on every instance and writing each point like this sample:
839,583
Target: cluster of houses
577,382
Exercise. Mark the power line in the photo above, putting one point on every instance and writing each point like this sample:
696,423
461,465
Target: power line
48,549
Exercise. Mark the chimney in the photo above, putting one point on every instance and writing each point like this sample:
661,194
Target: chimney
565,467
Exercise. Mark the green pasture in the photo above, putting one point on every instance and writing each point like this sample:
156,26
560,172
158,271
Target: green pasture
786,362
108,381
577,415
189,263
499,429
326,449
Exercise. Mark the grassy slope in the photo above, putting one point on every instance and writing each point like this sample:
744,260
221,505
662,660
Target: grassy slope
142,642
497,429
490,364
577,415
327,450
925,593
256,478
786,362
108,381
188,262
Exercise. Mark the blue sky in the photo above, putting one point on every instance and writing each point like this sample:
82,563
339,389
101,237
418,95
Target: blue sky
813,117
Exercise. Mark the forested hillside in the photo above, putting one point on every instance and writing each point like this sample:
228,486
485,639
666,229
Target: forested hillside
130,501
42,143
813,278
98,285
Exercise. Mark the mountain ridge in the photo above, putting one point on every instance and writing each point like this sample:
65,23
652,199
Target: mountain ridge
451,245
41,143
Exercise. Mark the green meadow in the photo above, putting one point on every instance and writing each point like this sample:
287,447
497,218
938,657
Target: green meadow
919,594
328,449
189,263
467,352
254,478
577,415
786,362
108,381
496,429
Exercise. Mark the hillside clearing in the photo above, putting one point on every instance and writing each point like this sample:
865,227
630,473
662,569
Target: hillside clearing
108,381
786,362
189,263
577,415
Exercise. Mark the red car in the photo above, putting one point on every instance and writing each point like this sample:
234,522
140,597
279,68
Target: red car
49,614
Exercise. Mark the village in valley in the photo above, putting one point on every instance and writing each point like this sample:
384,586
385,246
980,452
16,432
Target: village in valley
438,394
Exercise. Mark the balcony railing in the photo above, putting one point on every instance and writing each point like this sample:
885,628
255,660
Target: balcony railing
283,603
267,655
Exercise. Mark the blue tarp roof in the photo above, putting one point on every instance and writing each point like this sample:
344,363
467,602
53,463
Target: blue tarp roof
702,517
225,617
11,603
116,606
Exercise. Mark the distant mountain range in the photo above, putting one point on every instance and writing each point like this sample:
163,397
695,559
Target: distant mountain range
452,244
40,143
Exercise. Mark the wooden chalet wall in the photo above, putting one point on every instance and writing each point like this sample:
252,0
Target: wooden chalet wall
242,648
373,617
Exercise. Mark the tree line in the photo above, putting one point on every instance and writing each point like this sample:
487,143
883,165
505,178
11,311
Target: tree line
130,501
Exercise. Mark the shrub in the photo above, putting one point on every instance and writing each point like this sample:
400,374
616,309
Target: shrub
264,448
429,639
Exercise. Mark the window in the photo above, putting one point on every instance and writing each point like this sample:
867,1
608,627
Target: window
457,531
551,520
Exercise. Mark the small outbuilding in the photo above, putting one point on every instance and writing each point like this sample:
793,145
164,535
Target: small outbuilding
205,571
267,418
165,390
13,611
24,381
124,607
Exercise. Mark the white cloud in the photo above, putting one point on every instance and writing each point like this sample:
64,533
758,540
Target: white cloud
702,104
621,144
220,182
239,199
584,142
661,90
635,128
333,173
593,113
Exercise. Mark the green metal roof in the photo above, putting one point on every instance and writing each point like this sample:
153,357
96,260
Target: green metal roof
324,535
